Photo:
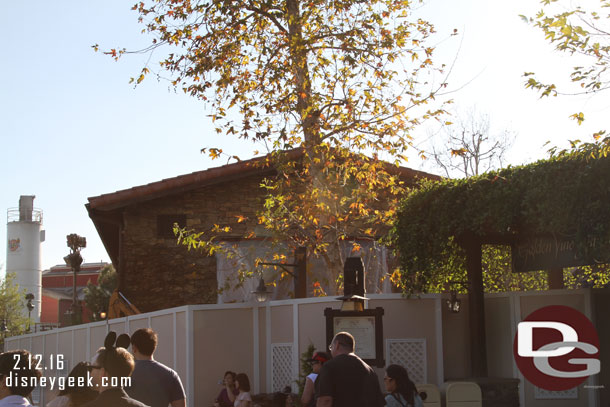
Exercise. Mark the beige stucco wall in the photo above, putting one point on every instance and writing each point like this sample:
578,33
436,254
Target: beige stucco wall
79,346
181,350
222,340
413,318
499,337
312,326
281,324
456,341
227,337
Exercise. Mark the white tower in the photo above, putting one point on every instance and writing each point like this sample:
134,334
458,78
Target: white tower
24,237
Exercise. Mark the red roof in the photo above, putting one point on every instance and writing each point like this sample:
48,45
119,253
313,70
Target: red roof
203,178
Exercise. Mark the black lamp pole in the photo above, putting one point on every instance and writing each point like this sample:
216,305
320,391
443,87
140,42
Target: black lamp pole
3,330
74,260
29,298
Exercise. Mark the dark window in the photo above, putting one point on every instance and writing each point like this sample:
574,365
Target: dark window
165,225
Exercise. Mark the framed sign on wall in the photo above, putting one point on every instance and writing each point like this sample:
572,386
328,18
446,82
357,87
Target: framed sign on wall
365,326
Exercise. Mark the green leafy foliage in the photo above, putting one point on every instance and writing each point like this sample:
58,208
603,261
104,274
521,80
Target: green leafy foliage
305,367
567,195
98,295
343,82
12,308
593,276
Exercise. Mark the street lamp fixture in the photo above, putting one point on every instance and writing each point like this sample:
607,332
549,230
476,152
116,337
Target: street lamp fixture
261,292
29,298
299,275
74,261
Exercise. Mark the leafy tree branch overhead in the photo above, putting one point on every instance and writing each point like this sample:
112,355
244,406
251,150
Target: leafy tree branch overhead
583,32
346,82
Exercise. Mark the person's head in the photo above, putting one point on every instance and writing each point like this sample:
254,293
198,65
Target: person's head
229,378
17,364
342,343
112,362
80,370
397,381
78,391
242,383
144,341
317,360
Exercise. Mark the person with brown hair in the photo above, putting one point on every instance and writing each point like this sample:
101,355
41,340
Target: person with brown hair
401,390
78,393
242,383
112,367
226,397
15,366
152,382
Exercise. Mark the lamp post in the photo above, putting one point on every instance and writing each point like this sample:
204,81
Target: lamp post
74,261
3,331
29,298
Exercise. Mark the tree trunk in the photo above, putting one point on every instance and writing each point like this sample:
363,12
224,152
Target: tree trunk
309,115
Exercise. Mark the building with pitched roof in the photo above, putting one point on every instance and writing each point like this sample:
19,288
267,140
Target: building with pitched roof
135,226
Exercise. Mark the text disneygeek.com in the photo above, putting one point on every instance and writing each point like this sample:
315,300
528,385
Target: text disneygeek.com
61,383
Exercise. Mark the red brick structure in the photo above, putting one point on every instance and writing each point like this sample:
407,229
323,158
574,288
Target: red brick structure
57,284
135,227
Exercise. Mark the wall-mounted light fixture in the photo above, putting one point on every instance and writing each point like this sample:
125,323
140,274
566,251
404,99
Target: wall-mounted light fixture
261,294
299,276
454,304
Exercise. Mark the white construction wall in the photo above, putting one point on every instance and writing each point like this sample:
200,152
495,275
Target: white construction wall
265,341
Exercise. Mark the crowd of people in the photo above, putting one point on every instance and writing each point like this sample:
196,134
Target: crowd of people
100,383
340,379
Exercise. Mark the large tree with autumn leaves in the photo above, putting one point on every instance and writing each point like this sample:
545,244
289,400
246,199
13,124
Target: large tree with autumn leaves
346,82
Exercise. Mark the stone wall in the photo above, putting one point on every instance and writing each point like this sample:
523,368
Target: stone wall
157,273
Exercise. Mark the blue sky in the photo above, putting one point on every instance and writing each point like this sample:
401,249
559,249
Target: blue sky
71,126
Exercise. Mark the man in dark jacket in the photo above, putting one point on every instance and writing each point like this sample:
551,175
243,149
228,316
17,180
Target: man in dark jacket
346,380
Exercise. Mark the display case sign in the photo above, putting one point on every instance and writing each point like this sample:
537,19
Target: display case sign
365,326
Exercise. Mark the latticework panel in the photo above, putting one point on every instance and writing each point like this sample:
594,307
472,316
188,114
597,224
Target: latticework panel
281,365
411,354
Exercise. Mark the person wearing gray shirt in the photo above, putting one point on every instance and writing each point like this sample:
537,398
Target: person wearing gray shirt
152,382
